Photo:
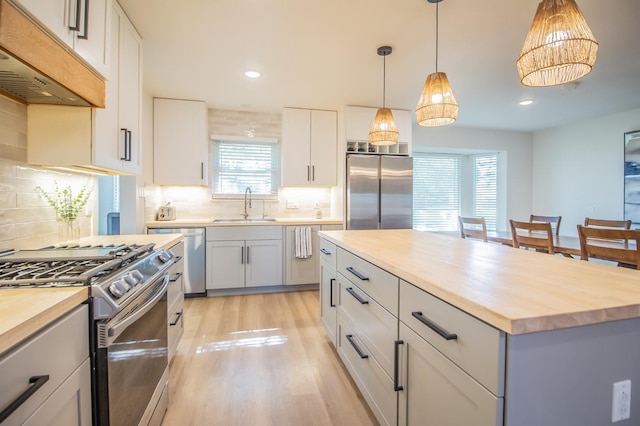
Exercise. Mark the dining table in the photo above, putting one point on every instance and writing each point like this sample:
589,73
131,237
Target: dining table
566,245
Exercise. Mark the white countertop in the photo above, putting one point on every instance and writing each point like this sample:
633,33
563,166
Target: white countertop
210,222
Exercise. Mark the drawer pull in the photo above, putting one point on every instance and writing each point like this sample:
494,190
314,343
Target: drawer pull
435,327
361,354
178,316
325,251
331,282
357,274
357,296
396,364
176,278
36,382
177,259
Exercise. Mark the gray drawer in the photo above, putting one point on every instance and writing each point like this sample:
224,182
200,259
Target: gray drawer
376,326
328,253
373,382
56,351
376,282
479,349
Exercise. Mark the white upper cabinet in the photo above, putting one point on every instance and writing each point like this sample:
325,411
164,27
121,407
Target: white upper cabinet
309,147
180,142
106,139
83,26
358,122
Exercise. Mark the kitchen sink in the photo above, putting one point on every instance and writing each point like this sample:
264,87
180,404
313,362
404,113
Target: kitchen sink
243,220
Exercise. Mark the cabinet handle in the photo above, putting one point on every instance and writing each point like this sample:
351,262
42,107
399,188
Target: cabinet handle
355,347
308,173
178,316
435,327
85,34
248,250
124,141
76,25
202,170
242,255
325,251
35,382
357,297
177,259
396,364
357,274
128,145
331,282
176,278
313,173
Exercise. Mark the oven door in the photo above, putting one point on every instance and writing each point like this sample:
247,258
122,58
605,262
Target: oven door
132,358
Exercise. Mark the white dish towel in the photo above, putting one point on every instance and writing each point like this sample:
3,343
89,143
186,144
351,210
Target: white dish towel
303,242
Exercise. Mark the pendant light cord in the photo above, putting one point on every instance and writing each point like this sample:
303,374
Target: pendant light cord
384,79
437,3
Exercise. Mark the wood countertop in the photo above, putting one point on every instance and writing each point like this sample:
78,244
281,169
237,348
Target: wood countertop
514,290
25,311
178,223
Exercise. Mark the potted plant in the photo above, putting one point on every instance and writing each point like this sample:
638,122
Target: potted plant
67,208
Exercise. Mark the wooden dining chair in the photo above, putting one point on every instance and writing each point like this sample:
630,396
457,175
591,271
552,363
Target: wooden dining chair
615,245
534,235
473,227
553,220
606,223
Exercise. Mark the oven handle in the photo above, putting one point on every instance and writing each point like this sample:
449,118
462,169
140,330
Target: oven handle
121,326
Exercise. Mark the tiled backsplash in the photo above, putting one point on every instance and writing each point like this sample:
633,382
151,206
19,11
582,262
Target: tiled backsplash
195,202
26,220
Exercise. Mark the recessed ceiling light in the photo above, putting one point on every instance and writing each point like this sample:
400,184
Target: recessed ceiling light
252,74
526,102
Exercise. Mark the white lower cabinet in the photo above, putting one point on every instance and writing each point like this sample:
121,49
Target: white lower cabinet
54,363
175,300
437,392
328,289
303,271
243,256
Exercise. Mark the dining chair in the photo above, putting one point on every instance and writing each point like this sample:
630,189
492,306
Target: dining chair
473,227
615,245
535,235
605,223
553,220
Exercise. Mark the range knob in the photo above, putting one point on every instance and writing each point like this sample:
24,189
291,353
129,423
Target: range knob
118,288
165,256
131,279
137,275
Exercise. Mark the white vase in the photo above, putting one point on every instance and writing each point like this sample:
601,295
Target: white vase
68,231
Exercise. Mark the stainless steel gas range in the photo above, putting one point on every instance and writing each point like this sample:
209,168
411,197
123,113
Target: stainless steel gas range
127,324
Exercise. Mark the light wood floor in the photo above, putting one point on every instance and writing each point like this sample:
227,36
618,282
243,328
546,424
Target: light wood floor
260,360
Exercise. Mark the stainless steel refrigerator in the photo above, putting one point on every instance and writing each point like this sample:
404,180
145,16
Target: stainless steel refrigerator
379,192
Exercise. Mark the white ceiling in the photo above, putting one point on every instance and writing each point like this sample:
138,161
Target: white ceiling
322,54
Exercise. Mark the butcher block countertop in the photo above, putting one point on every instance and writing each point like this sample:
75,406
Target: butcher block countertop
25,311
514,290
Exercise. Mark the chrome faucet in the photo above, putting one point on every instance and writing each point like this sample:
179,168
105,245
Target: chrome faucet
247,204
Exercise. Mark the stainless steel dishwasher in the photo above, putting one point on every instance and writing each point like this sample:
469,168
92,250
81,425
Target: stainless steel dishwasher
194,258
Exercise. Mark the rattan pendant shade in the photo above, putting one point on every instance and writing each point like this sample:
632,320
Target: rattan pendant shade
383,130
559,47
437,105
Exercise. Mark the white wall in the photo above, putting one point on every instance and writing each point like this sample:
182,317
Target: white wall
516,148
578,170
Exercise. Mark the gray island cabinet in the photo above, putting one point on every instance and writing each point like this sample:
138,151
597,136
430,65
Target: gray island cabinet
437,330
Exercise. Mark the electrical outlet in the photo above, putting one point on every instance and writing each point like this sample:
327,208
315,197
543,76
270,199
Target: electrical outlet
293,204
621,404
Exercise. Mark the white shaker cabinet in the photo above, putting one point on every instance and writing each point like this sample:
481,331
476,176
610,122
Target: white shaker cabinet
54,364
309,147
328,290
81,26
106,139
180,142
243,256
303,271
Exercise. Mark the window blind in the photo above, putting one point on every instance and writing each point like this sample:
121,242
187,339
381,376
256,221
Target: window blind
436,192
485,188
241,164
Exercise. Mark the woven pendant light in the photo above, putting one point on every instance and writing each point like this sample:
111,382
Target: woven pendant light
383,130
559,47
437,105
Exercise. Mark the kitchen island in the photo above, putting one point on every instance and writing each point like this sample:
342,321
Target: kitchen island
482,333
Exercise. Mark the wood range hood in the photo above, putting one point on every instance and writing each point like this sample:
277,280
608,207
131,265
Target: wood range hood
36,69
